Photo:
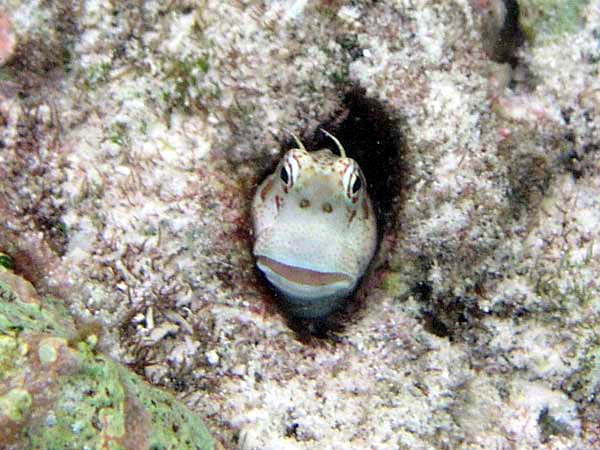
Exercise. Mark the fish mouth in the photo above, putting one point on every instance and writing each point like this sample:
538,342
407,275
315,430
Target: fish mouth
301,275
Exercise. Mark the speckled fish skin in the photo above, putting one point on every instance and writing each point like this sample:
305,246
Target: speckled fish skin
315,230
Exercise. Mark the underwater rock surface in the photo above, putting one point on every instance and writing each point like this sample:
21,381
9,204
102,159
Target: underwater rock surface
133,136
58,392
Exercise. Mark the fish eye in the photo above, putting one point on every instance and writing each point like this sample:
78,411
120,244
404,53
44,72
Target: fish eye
356,185
284,175
289,169
353,181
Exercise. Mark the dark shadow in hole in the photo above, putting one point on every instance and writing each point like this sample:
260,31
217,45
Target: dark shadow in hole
505,46
372,138
452,318
510,36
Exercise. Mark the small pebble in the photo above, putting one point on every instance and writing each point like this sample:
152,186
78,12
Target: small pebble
212,357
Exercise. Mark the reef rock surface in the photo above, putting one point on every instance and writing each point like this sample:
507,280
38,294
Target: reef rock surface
57,392
133,135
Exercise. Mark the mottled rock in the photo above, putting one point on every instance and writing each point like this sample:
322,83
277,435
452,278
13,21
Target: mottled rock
7,40
57,392
127,177
549,20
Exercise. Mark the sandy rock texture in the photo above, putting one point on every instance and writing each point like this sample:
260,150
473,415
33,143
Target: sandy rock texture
134,133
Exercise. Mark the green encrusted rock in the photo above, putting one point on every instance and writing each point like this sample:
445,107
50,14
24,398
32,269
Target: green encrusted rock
6,261
15,404
22,310
57,393
547,20
395,284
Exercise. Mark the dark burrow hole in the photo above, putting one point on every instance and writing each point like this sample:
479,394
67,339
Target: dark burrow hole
451,317
291,431
550,426
455,318
510,36
503,47
372,137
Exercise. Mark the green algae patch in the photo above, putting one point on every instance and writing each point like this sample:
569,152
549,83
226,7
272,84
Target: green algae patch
16,316
395,284
547,20
6,261
11,356
58,393
87,409
104,405
173,425
21,310
15,404
49,348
